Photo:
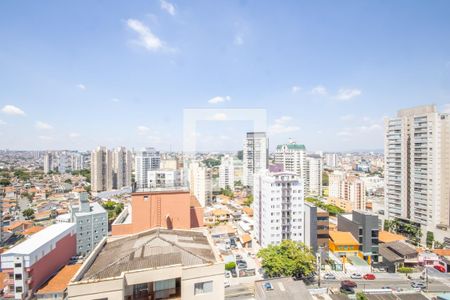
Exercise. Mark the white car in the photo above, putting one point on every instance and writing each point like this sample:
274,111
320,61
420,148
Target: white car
329,276
227,283
356,276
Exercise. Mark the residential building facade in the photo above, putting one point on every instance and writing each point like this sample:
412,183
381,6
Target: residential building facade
417,160
255,156
34,261
145,160
200,182
101,170
121,167
278,208
226,172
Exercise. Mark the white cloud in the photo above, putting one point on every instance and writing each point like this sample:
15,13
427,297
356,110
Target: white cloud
347,94
12,110
348,117
74,135
45,137
281,125
43,126
81,86
116,100
319,90
2,122
219,99
146,38
295,89
142,130
168,7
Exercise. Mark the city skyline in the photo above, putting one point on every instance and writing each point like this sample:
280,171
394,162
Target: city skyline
85,78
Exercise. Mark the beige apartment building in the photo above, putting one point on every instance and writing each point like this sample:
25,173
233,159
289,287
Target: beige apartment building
156,264
347,191
417,164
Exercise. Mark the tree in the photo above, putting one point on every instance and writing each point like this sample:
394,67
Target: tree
5,182
28,213
230,266
430,239
361,296
405,270
249,200
287,259
240,154
68,180
325,179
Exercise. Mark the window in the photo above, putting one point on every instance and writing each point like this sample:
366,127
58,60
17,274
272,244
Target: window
17,265
203,287
18,289
18,276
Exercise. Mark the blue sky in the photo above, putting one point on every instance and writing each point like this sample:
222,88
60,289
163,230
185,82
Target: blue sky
77,74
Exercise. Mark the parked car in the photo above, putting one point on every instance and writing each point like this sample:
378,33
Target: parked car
349,283
418,285
369,277
238,257
356,276
227,274
227,283
439,268
268,286
347,290
233,273
242,266
329,276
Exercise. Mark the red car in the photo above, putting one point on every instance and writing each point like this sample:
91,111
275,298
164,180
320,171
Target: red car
369,277
439,268
348,283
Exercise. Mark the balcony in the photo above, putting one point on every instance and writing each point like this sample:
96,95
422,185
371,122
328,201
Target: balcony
174,293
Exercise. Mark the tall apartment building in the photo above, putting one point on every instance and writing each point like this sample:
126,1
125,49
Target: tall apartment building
200,182
313,175
121,167
101,170
255,156
147,159
92,223
293,158
77,161
347,189
48,162
226,172
331,160
32,262
417,160
278,208
164,179
317,227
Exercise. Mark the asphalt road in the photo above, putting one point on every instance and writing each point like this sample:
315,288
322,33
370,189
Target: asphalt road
433,286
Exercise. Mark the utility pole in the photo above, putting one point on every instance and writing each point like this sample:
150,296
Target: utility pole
319,263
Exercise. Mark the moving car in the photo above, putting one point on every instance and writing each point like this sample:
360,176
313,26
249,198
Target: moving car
348,283
439,268
329,276
227,274
227,283
369,277
239,257
418,285
356,276
347,290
